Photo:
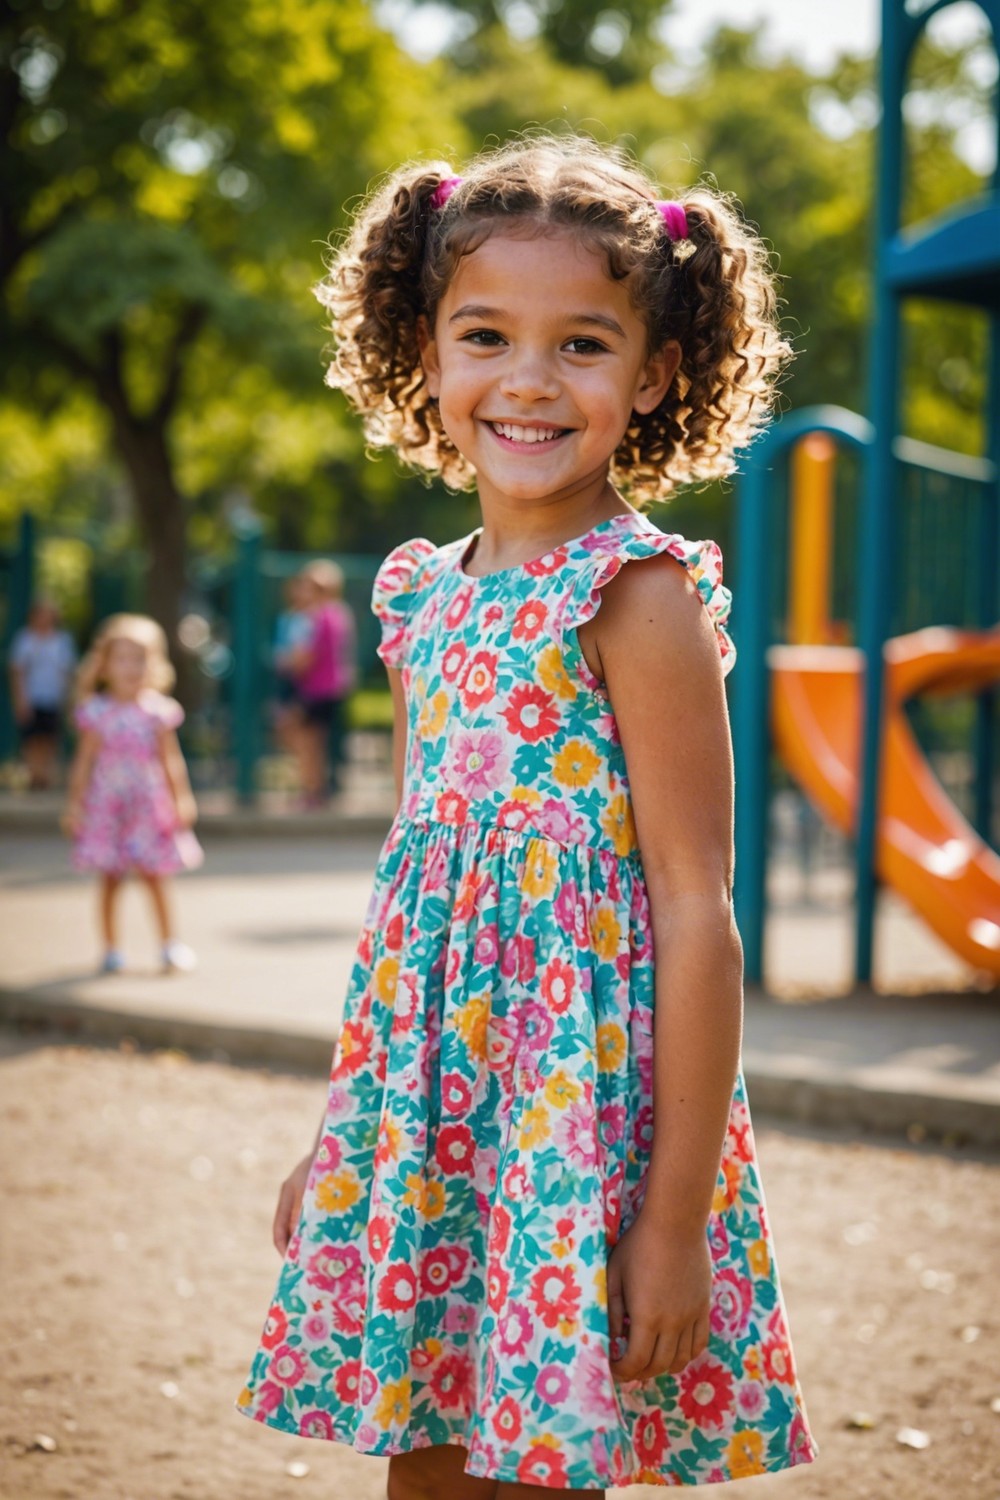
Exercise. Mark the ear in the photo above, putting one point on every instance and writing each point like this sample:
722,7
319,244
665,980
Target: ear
656,377
427,345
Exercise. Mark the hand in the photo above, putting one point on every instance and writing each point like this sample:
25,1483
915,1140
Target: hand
660,1281
71,820
286,1215
186,812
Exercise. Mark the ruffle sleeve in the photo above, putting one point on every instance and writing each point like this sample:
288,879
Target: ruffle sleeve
392,596
702,559
87,714
163,708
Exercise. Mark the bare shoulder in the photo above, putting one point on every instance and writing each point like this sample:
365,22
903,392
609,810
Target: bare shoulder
651,617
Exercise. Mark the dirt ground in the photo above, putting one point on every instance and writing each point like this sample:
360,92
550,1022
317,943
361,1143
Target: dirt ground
137,1268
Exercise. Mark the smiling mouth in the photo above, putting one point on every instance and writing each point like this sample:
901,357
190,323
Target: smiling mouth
517,432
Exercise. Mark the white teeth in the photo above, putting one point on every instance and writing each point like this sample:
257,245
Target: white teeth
518,434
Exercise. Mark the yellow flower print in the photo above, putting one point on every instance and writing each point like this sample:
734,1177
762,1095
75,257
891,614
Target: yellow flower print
576,763
535,1126
245,1396
728,1189
384,978
472,1020
744,1453
605,931
394,1404
562,1090
337,1192
601,1286
541,869
433,716
553,673
610,1046
751,1364
759,1257
619,825
428,1198
529,795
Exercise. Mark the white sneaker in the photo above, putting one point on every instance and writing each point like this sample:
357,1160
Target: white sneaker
113,961
178,958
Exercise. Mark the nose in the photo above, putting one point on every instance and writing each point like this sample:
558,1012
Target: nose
529,375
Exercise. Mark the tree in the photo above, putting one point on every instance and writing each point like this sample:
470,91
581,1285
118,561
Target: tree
165,165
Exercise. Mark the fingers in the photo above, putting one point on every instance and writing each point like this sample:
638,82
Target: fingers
616,1302
638,1355
650,1354
285,1217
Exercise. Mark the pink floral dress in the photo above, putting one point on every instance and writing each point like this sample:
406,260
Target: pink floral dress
490,1107
129,818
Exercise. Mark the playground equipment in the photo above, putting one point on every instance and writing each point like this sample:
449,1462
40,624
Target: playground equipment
838,721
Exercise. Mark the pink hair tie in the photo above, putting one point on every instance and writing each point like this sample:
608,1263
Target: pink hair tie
673,215
443,191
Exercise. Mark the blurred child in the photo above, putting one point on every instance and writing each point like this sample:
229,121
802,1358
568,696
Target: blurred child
292,630
130,806
325,672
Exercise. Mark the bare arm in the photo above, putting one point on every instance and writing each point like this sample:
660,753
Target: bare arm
286,1215
657,649
80,772
176,770
18,695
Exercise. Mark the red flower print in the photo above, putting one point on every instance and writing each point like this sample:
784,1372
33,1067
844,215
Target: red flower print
346,1379
316,1424
557,985
531,712
555,1294
778,1361
706,1391
451,1380
442,1268
651,1438
394,933
379,1229
540,567
479,680
288,1366
500,1222
732,1300
275,1328
453,661
458,608
397,1290
507,1420
451,807
355,1047
529,620
542,1465
518,957
337,1269
456,1096
497,1286
456,1149
328,1156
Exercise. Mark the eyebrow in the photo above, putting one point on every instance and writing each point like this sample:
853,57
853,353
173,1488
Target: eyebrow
493,314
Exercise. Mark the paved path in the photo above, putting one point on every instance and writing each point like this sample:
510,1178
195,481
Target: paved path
275,918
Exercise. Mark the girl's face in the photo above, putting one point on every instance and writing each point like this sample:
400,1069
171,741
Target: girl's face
538,360
125,665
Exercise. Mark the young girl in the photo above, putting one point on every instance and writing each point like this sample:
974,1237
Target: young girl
529,1249
130,805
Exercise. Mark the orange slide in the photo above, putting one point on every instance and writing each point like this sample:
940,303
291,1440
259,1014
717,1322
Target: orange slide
925,849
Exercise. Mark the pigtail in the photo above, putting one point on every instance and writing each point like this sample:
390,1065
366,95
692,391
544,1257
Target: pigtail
721,307
373,290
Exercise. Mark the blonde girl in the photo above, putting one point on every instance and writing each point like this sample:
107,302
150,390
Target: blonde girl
529,1249
130,808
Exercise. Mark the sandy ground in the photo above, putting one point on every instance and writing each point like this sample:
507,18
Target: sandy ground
137,1268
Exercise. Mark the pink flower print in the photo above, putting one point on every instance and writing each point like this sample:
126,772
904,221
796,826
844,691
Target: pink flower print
456,1095
556,821
575,1136
491,614
338,1269
487,946
460,1318
642,1129
592,1382
750,1400
315,1328
565,903
328,1155
514,1328
316,1424
518,958
437,868
288,1365
269,1397
552,1384
732,1302
366,1436
799,1441
479,761
718,1238
612,1123
369,1384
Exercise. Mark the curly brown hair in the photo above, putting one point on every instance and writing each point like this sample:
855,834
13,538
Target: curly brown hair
713,292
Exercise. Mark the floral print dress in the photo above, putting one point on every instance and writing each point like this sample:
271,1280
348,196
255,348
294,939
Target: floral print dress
490,1105
129,819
